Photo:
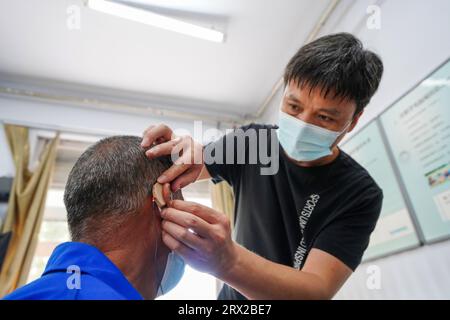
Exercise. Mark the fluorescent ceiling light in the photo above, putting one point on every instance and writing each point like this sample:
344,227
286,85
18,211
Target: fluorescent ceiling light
155,20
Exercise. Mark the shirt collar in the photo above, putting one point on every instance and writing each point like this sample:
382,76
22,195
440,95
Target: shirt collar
91,261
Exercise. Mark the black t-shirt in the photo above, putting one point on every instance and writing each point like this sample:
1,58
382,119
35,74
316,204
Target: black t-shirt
281,217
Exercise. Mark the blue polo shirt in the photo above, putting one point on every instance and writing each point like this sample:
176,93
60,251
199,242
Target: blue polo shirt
99,278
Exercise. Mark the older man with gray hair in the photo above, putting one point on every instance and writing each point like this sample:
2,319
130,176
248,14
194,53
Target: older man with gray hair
116,250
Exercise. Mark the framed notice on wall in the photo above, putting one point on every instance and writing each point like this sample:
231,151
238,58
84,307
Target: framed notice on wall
395,230
417,128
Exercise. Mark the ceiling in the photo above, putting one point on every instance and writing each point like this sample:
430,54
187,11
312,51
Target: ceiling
115,55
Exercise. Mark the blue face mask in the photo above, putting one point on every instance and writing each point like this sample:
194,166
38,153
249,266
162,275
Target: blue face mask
172,274
174,270
304,141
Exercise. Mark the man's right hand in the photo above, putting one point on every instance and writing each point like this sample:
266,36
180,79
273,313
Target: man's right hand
187,168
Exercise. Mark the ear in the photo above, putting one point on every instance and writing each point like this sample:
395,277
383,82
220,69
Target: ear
355,120
155,209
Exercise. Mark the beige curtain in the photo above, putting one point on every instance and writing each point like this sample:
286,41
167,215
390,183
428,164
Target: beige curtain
25,207
222,199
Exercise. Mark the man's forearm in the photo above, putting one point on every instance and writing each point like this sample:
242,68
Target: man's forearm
258,278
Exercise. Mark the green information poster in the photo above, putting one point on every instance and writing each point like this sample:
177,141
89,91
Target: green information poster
394,231
418,131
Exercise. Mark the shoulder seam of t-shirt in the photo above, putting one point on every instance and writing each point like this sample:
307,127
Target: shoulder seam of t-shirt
349,161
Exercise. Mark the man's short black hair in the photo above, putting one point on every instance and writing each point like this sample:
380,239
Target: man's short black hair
337,64
111,179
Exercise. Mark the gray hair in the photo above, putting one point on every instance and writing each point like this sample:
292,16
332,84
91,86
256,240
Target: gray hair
112,179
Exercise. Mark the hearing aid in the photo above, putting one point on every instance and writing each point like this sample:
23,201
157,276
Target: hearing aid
158,196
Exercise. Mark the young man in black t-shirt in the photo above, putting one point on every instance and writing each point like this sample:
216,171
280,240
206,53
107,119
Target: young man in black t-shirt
302,219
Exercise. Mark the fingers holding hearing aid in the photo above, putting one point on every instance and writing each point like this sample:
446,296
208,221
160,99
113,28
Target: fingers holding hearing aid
186,169
166,193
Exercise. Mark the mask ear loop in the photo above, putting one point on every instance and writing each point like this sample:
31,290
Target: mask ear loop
159,202
155,258
347,126
342,132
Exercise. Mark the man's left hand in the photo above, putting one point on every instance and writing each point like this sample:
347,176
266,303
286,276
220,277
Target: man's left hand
201,235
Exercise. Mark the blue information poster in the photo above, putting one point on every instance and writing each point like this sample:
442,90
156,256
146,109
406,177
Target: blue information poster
418,132
395,230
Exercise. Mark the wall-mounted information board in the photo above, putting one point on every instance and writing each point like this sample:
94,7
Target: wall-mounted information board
395,230
417,128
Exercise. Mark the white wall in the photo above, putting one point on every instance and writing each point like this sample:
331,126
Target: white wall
422,273
80,119
77,121
412,41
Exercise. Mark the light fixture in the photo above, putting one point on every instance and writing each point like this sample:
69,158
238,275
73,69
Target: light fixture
155,20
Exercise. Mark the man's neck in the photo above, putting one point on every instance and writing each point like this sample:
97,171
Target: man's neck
139,271
133,252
